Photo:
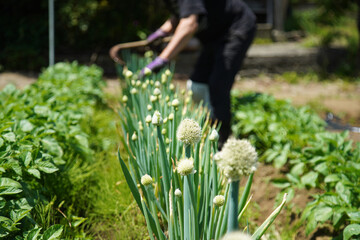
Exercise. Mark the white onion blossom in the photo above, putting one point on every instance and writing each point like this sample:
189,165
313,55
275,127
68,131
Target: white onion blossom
237,158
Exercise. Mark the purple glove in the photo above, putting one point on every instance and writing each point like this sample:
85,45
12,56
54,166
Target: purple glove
157,34
154,66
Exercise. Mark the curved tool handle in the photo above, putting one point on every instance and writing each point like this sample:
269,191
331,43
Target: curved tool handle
115,49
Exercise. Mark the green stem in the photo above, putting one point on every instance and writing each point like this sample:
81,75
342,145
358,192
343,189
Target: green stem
233,205
188,151
187,209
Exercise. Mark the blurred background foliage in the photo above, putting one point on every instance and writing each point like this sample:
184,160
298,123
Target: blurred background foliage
80,26
88,26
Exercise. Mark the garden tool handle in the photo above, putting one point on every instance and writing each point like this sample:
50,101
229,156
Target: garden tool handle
115,49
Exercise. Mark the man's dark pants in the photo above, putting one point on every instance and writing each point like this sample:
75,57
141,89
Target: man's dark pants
218,63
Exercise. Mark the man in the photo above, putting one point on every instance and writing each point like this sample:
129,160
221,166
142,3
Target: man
226,29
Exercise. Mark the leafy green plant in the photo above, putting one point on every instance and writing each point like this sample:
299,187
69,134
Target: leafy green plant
314,158
41,140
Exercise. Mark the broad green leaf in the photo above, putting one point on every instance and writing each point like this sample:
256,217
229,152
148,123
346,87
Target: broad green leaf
350,164
42,110
280,160
33,234
344,192
310,223
322,168
9,186
1,141
337,218
310,179
26,125
17,215
323,213
10,137
82,140
298,169
47,167
28,159
292,178
329,200
53,232
52,146
2,202
331,178
351,230
354,215
34,172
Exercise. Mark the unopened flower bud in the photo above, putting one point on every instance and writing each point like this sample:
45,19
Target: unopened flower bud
219,200
157,84
146,180
138,83
165,120
133,82
167,72
171,116
134,137
133,91
214,135
144,86
178,192
148,54
171,86
183,91
141,126
167,98
157,119
124,99
128,74
185,166
148,119
175,103
163,78
153,98
163,131
149,107
147,71
157,92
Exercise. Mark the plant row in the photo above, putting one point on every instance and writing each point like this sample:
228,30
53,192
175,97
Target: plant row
184,187
296,138
41,139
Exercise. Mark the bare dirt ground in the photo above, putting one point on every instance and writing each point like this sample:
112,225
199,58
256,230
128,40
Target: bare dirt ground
340,98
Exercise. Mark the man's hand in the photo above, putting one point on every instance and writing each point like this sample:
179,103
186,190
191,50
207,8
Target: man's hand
154,66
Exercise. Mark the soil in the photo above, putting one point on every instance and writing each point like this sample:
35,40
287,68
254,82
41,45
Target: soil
342,99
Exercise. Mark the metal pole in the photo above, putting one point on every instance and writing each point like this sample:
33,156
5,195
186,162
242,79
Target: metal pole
51,33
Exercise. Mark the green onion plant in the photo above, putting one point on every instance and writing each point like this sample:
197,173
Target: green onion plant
171,143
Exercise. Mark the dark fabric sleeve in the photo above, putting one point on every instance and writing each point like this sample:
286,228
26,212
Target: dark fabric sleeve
188,7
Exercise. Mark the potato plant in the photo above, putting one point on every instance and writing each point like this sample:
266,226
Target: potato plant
316,158
40,136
